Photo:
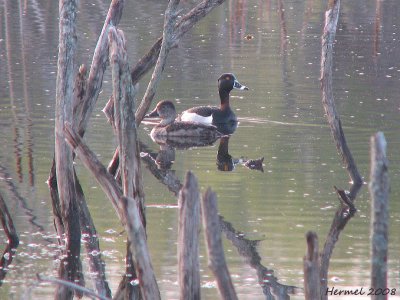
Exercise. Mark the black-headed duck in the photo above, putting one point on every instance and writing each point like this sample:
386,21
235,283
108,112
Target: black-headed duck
168,127
213,114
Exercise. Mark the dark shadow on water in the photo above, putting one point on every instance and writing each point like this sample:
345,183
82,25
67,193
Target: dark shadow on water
246,248
13,189
13,240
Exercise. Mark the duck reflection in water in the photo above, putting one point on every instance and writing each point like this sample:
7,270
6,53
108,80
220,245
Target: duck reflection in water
166,155
225,162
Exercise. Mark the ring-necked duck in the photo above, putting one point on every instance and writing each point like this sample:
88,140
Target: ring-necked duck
169,127
213,114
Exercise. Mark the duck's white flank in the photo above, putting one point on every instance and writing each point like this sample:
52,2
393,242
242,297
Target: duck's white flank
193,117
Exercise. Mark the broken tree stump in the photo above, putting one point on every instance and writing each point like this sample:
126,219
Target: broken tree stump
379,190
188,239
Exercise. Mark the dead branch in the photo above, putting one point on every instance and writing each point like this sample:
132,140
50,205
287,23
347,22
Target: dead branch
171,15
216,256
328,38
91,162
124,116
188,239
124,93
379,188
99,63
344,212
342,216
182,26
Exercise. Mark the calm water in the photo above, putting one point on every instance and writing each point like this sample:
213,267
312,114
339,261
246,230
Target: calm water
281,119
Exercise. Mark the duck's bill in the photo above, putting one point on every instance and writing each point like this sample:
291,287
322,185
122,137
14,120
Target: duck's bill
153,114
239,86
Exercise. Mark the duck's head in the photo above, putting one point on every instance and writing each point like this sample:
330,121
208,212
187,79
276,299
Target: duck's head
165,110
228,81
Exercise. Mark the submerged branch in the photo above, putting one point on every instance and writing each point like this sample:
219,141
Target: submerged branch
71,285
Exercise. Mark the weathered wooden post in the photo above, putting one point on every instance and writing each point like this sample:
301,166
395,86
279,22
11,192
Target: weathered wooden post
311,265
216,256
188,239
69,267
379,189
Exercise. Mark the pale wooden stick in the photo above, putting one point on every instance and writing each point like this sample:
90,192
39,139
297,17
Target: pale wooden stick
216,256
